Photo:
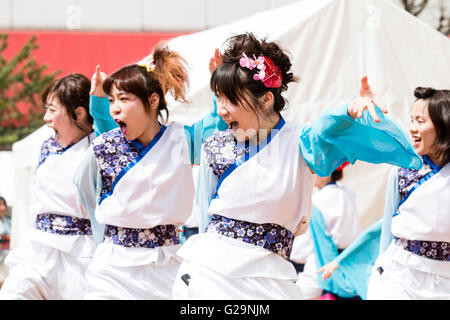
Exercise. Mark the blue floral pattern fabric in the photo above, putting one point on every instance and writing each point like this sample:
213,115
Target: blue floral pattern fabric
113,152
407,178
430,249
162,235
222,150
269,236
50,146
63,225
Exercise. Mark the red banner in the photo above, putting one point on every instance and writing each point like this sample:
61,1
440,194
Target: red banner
81,51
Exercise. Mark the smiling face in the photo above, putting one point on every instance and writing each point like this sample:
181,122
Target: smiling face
128,111
422,130
57,118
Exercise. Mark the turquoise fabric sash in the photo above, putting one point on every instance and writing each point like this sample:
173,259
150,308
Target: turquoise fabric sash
325,250
355,262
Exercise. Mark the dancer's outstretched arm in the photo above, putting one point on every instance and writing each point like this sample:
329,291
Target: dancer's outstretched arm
358,130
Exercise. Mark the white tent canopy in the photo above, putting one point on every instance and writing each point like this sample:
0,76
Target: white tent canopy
333,43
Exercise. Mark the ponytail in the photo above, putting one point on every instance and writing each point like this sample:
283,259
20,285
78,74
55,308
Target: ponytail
165,72
171,72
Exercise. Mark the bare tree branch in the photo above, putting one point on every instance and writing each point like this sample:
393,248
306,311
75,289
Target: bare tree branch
414,6
444,22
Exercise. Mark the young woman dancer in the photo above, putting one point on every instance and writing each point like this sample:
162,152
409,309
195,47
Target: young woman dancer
414,255
138,180
334,225
416,238
256,181
53,261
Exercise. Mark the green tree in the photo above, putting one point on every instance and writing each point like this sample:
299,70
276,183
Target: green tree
21,82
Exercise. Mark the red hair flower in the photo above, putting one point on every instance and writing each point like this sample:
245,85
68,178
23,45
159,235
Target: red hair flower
267,71
273,78
342,166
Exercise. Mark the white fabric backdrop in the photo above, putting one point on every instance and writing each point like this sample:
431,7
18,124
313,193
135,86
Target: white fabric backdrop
333,43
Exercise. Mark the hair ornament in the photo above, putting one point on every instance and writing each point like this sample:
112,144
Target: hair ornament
149,66
342,166
267,71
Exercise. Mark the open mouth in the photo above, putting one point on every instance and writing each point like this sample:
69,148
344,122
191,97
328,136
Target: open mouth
416,142
122,126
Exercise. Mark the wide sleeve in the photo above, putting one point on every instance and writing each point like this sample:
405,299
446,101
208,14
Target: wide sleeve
88,181
392,200
99,109
206,188
202,129
336,137
325,250
357,260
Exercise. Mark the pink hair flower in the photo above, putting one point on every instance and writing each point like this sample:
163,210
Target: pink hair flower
260,62
260,75
247,62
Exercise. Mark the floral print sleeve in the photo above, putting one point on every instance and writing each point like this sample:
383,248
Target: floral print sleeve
222,150
113,152
49,147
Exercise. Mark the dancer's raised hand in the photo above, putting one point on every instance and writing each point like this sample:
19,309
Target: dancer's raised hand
215,61
366,100
97,83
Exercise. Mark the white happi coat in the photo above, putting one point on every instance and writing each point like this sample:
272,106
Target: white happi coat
158,189
273,186
56,193
338,207
48,265
425,215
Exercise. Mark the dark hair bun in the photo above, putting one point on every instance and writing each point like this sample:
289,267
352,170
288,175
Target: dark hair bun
424,93
250,45
230,79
